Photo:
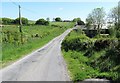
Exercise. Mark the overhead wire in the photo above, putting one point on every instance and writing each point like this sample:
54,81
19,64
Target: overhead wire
29,10
14,3
26,9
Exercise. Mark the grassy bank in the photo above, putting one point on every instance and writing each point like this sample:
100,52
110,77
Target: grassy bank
33,38
91,57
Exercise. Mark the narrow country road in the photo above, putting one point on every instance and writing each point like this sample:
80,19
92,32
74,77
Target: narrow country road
45,64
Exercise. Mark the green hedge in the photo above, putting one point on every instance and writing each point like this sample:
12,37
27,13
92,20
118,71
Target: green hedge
76,43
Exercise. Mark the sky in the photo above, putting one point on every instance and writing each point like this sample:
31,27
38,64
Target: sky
65,10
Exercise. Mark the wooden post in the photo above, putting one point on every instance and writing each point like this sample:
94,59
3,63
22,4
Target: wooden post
118,13
20,21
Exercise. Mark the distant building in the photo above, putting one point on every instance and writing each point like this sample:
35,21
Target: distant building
104,26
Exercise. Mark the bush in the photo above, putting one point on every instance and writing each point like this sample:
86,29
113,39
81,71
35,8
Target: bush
79,76
80,42
7,21
53,25
80,22
76,19
118,33
116,52
102,44
60,26
24,21
112,32
42,22
58,19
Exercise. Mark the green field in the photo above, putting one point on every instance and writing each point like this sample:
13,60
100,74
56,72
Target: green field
15,46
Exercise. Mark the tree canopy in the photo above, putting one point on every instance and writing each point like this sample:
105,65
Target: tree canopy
114,15
7,21
42,22
80,22
114,18
58,19
24,21
76,19
96,17
48,19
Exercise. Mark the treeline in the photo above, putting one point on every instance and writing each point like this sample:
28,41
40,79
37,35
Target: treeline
8,21
25,21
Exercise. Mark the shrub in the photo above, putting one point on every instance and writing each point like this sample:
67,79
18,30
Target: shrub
76,40
112,32
58,19
116,52
80,22
77,43
53,25
42,22
60,26
79,76
7,21
76,19
24,21
118,33
102,44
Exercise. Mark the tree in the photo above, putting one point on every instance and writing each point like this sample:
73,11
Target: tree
90,21
0,21
42,22
24,21
80,22
76,19
58,19
119,15
96,17
48,19
114,15
53,19
7,21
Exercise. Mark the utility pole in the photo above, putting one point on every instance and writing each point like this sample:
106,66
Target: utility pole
118,12
20,21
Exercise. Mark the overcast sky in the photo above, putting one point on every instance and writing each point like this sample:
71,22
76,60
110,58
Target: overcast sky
65,10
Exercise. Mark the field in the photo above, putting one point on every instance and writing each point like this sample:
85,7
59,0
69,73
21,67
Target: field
16,45
91,57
